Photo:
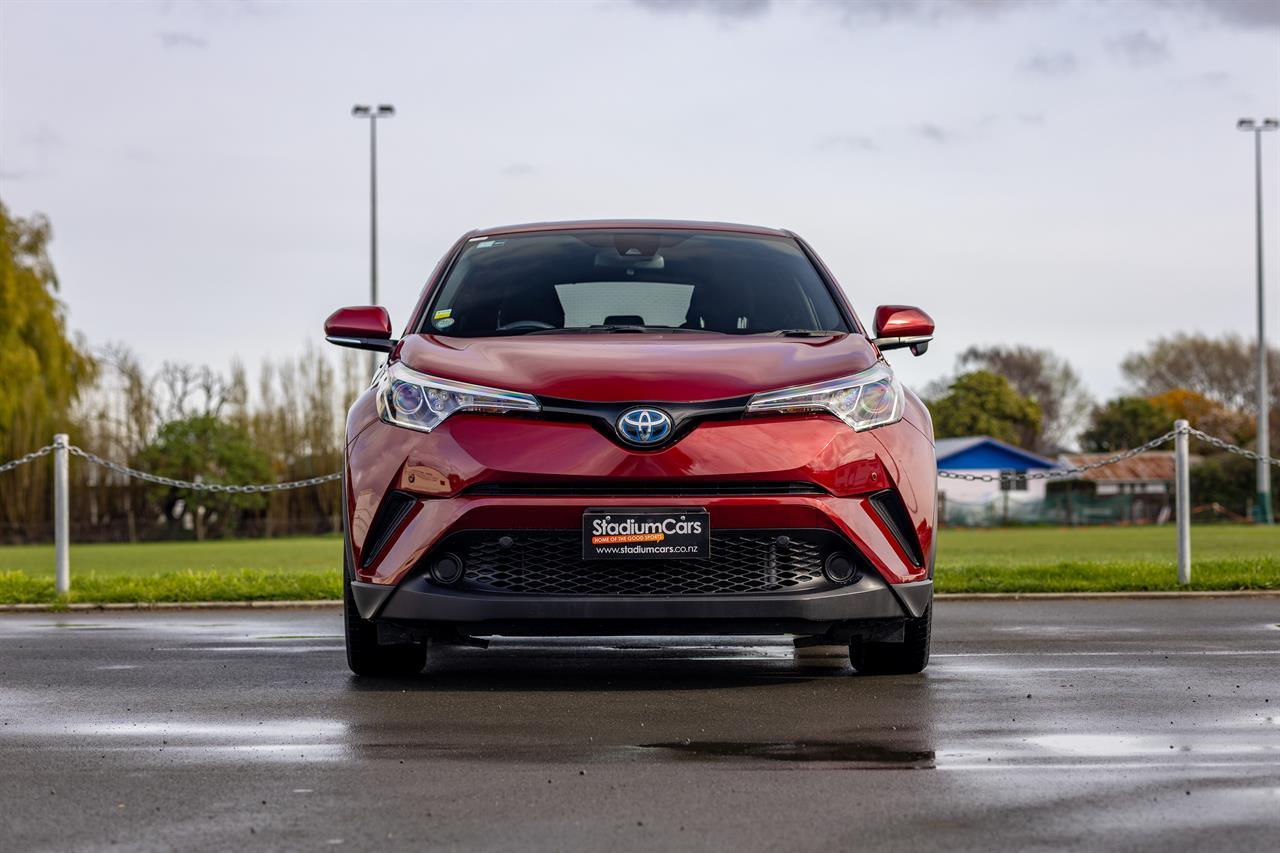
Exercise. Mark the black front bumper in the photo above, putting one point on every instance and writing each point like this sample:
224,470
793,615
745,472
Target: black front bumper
417,600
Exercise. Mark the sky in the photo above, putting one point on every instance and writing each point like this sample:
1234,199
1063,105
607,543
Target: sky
1061,174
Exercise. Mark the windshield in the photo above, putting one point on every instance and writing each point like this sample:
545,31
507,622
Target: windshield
632,281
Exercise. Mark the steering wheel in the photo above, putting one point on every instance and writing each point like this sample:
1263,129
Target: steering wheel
522,325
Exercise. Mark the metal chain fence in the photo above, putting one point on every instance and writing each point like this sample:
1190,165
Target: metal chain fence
1230,448
198,486
1064,473
63,449
194,485
25,458
254,488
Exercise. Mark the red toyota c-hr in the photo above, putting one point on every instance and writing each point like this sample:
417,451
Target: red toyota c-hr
596,428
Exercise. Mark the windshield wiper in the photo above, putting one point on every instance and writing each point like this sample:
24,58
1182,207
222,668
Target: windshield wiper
614,328
801,333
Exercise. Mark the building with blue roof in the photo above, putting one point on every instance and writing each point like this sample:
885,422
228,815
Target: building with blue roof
1006,498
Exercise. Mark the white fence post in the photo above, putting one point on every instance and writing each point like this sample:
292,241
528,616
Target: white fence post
1182,499
61,516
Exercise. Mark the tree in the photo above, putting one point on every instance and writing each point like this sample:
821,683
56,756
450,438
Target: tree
1220,369
213,451
300,422
983,403
42,370
1125,422
1208,415
1223,370
1229,480
1039,375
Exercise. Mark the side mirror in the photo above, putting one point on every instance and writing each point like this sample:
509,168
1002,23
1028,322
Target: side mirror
361,327
899,326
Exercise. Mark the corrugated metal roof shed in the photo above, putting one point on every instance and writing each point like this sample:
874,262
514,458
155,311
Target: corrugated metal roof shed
1153,466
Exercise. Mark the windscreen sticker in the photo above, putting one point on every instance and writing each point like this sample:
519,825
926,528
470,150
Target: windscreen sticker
444,324
442,314
487,243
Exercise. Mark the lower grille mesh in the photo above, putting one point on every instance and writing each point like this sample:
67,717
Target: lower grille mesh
550,563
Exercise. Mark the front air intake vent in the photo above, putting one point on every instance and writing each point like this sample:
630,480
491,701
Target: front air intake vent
888,505
395,508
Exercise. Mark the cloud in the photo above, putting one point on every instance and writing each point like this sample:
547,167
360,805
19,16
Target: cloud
18,174
993,121
1260,14
176,40
44,141
138,155
853,12
1138,48
1058,63
1256,14
934,133
719,8
850,12
847,142
518,170
44,137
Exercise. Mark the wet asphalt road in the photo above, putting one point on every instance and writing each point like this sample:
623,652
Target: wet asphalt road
1093,725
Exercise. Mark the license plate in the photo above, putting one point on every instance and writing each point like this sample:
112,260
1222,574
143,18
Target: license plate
646,534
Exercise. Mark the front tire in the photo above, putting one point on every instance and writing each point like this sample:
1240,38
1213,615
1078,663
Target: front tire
905,658
365,655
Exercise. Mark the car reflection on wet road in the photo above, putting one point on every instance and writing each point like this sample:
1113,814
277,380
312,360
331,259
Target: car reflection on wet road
1113,724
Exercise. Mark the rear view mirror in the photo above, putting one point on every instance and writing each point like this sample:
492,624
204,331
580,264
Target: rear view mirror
360,327
899,326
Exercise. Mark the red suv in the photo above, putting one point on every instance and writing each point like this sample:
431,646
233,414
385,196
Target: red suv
603,428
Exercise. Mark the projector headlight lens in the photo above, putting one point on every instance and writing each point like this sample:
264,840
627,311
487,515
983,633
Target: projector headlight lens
416,401
870,399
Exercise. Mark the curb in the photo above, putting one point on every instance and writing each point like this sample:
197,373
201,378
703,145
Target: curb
1137,595
81,606
327,604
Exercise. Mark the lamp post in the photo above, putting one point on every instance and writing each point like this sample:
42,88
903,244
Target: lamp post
373,114
1263,505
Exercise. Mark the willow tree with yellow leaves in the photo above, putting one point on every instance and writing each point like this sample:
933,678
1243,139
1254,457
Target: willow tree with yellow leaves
43,369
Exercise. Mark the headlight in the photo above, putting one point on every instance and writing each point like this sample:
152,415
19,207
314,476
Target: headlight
870,399
410,399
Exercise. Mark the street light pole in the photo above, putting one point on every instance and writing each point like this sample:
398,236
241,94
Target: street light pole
1262,508
373,114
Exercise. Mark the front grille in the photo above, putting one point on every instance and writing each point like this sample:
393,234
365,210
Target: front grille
626,488
550,563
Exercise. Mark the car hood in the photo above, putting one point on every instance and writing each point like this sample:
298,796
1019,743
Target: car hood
649,367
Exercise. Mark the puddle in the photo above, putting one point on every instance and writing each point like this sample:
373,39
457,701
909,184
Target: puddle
286,753
270,730
283,741
274,650
1108,746
299,637
838,752
275,729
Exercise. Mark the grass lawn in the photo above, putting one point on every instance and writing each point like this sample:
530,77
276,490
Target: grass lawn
1012,560
1101,559
297,568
